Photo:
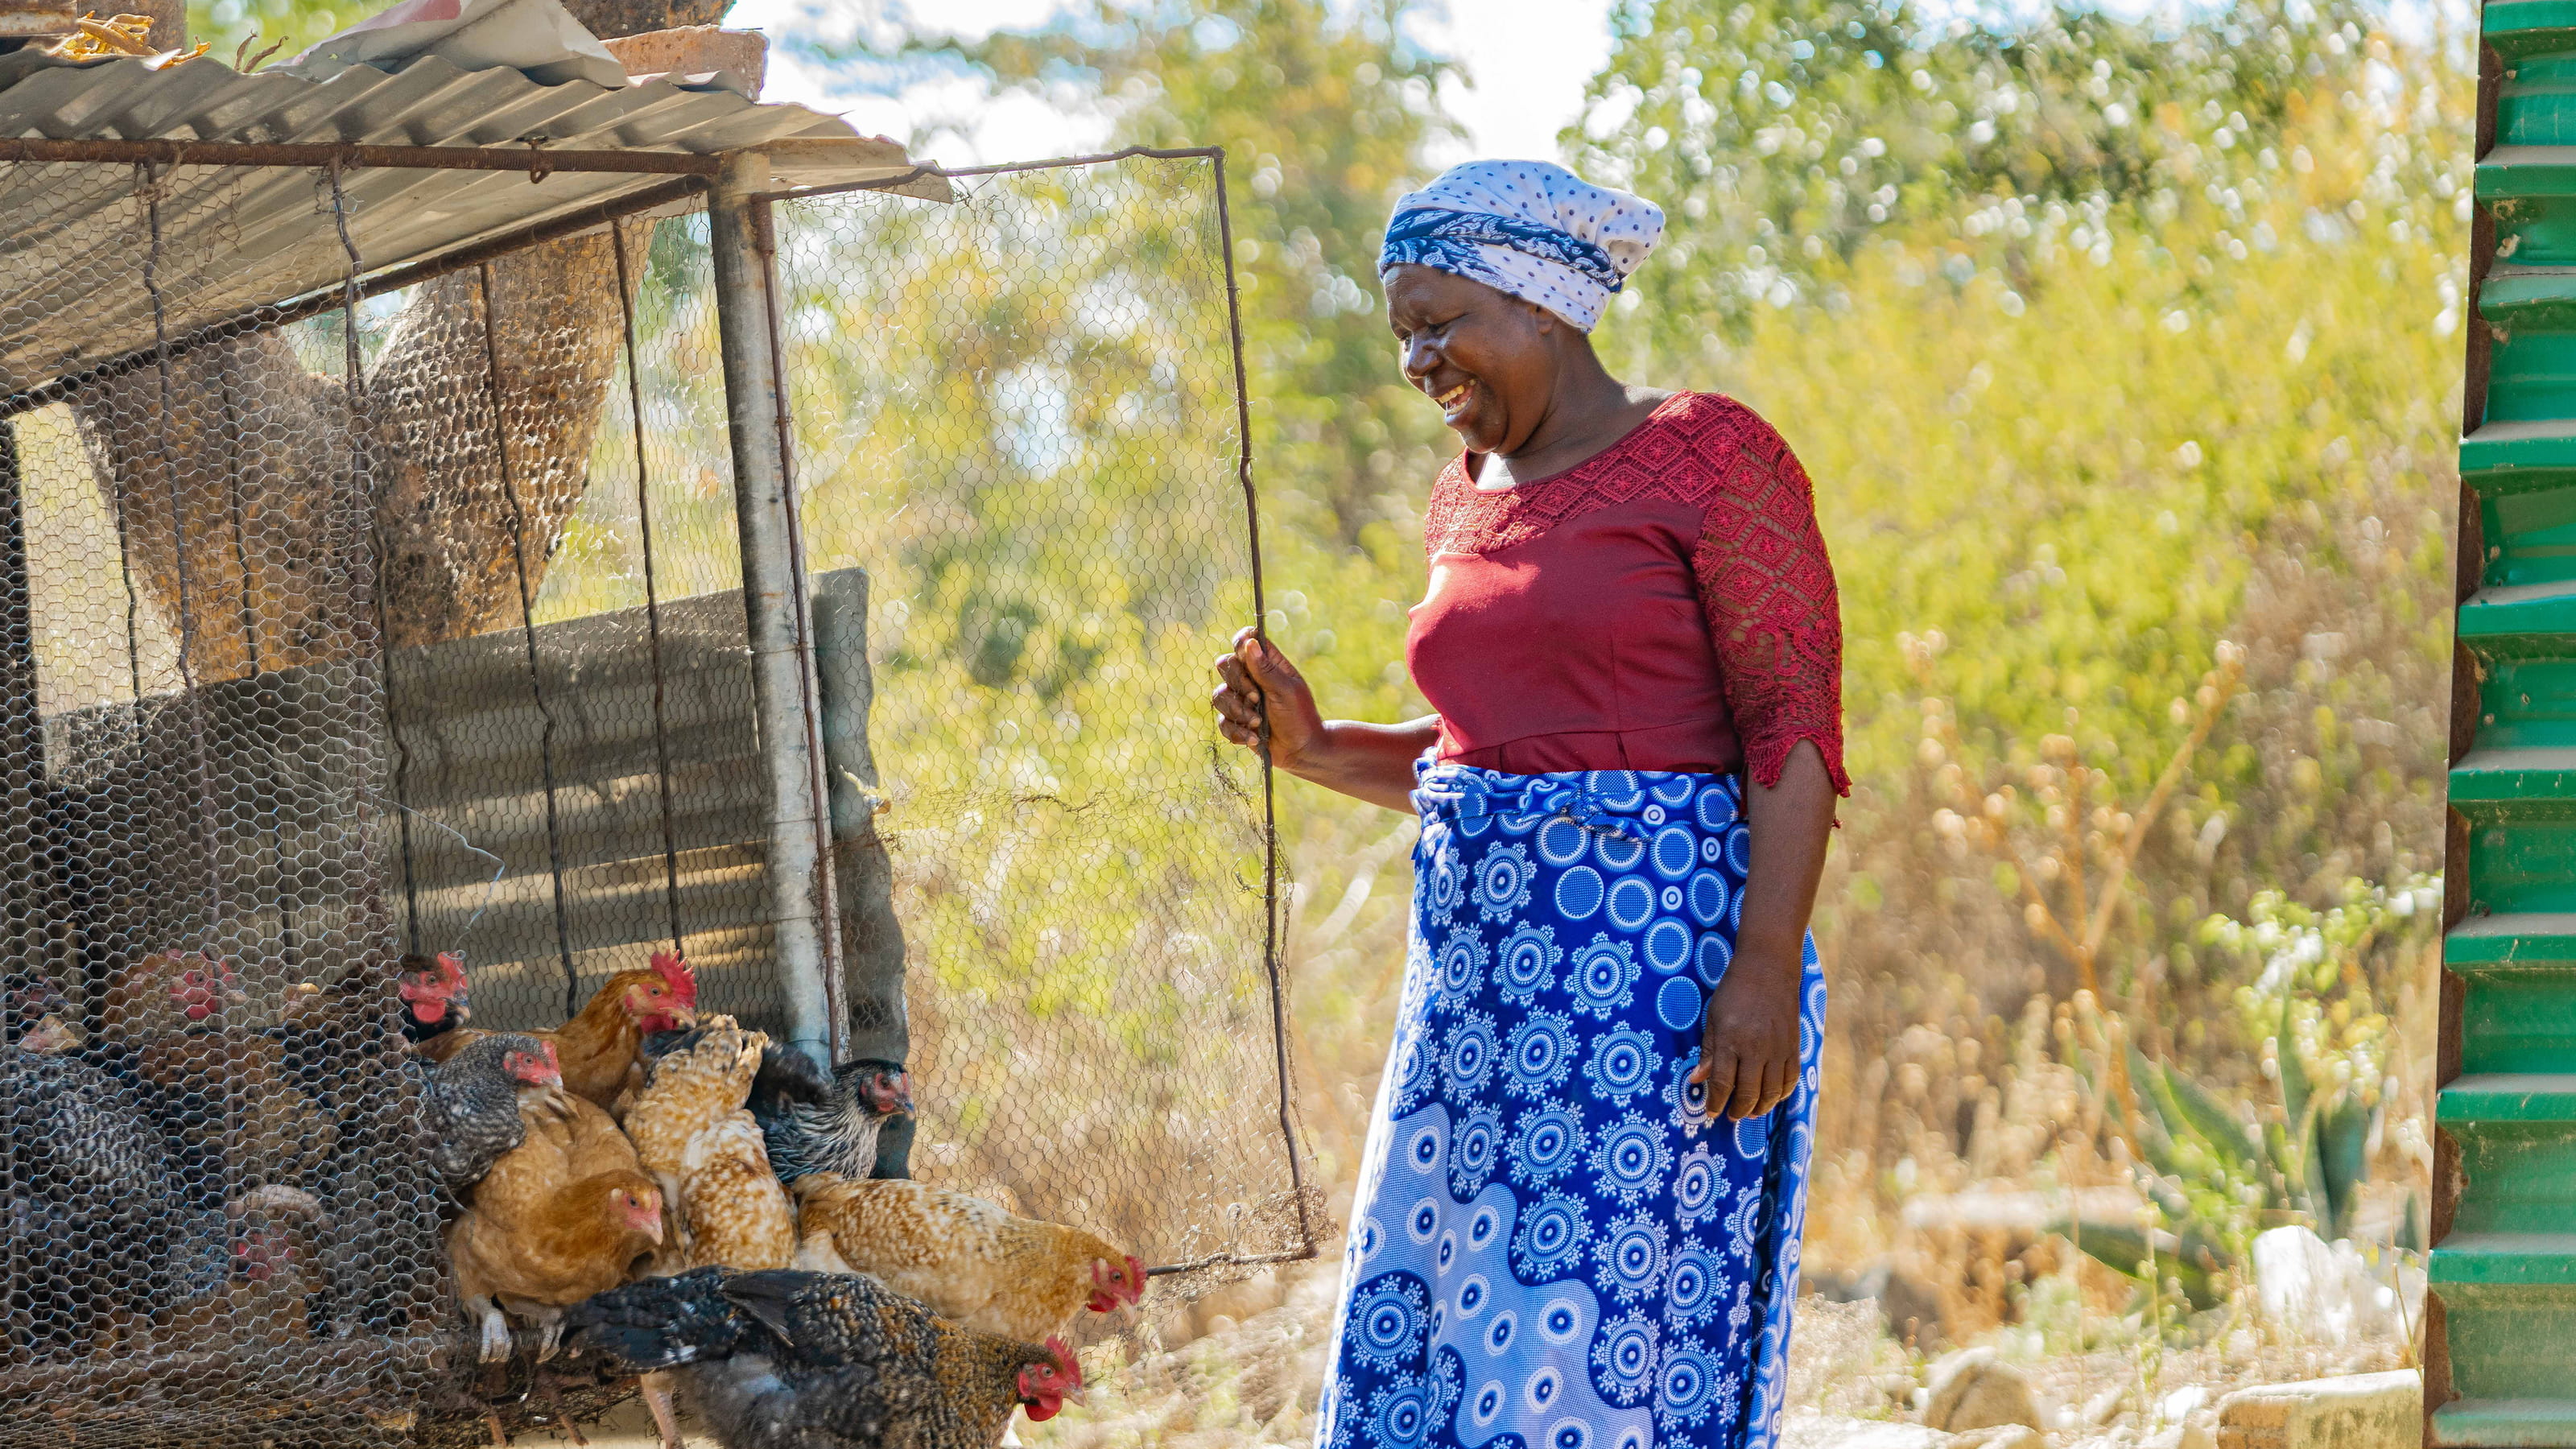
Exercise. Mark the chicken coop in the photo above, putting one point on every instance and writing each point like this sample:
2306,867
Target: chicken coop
545,516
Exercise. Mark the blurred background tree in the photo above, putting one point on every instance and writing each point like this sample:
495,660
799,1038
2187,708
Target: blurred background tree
1324,112
1778,134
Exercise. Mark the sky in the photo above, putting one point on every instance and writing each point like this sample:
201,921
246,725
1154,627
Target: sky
1529,59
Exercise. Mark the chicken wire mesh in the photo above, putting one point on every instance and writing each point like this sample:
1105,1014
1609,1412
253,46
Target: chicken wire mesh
413,625
216,1215
1019,413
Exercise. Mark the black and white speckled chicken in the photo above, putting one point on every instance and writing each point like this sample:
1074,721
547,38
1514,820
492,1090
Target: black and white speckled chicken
780,1359
471,1103
813,1121
89,1202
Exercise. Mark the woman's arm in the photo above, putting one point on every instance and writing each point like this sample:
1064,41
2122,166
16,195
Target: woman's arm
1749,1043
1776,621
1372,762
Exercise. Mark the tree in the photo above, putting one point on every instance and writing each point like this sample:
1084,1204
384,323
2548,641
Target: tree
1780,134
1324,123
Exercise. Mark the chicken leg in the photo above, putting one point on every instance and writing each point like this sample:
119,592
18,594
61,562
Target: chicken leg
657,1388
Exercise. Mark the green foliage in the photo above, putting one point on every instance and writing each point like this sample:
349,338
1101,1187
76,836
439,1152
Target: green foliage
228,26
1323,121
1784,134
2217,1173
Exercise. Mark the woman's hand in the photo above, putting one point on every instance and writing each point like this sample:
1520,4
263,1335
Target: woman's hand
1749,1042
1371,762
1253,677
1748,1054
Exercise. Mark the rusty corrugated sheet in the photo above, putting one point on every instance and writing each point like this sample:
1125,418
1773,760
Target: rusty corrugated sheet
76,239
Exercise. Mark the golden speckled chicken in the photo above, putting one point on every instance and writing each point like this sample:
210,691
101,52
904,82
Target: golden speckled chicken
696,1137
965,1257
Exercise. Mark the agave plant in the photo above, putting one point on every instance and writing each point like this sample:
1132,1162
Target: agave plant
2216,1173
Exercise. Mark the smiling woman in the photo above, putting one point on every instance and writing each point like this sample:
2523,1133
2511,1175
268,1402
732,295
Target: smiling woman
1578,1214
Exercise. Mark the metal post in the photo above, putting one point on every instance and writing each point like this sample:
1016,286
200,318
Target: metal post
773,599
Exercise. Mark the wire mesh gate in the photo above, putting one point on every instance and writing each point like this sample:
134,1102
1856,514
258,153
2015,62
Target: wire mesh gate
411,621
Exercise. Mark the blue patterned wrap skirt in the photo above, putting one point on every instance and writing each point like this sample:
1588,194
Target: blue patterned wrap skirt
1554,1245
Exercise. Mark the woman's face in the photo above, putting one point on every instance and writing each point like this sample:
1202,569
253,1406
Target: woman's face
1485,357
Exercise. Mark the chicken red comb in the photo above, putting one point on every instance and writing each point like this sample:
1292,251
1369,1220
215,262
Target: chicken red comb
451,969
676,971
1065,1362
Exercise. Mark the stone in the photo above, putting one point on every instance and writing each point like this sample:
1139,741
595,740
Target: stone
2329,1293
1912,1310
2364,1411
1974,1389
2001,1436
1808,1429
2105,1406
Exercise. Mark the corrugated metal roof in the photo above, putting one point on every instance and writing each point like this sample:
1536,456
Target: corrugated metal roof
75,246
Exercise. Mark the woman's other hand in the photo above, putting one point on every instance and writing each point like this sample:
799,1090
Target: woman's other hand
1258,680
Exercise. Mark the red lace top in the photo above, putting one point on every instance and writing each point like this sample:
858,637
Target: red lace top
1664,605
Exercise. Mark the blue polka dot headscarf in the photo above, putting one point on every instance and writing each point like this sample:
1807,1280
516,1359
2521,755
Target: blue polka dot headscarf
1534,230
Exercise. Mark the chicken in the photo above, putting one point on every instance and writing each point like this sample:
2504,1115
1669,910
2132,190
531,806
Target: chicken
472,1103
432,993
227,1091
966,1258
818,1122
88,1205
789,1360
248,1272
695,1136
434,996
168,993
599,1048
567,1213
27,998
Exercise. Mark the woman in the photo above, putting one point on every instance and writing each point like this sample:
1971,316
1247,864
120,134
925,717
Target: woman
1578,1213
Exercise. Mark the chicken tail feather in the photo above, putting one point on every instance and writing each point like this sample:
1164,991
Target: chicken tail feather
770,1295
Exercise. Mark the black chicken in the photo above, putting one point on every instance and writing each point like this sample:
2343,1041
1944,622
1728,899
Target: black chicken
780,1359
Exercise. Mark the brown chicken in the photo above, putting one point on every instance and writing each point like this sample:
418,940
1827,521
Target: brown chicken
167,993
599,1048
965,1257
690,1127
567,1213
245,1273
224,1084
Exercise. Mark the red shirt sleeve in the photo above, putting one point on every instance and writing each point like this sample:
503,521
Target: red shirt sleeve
1773,614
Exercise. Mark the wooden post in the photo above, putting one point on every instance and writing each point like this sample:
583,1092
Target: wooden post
871,936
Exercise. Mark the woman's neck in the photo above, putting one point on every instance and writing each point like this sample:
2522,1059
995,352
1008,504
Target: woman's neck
1588,412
